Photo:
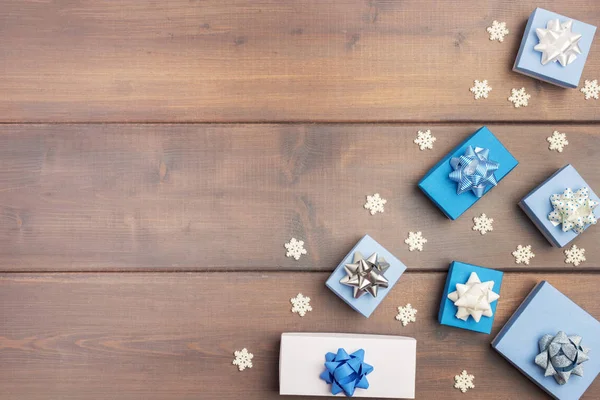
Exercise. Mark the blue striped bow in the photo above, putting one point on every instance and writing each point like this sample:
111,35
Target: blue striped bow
473,171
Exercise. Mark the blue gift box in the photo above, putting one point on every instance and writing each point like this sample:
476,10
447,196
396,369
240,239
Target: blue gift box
548,311
459,273
529,62
537,203
442,190
365,304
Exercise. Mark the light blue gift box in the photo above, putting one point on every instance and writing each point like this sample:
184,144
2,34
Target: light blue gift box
537,204
529,61
366,304
459,273
442,191
548,311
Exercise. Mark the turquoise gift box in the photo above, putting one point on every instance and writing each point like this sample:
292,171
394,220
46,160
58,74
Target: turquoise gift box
537,204
459,274
529,60
365,304
548,311
437,185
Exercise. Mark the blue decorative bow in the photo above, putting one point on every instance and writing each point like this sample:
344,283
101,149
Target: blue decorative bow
473,171
346,372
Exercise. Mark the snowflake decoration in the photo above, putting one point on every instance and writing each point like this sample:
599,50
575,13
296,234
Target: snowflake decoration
464,381
243,359
425,140
415,241
497,31
406,314
519,97
483,224
481,89
591,90
575,255
295,248
523,254
558,141
300,304
375,204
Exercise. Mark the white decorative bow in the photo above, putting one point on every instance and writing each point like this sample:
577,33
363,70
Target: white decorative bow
558,42
474,298
573,210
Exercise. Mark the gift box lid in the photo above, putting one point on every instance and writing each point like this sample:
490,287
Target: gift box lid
442,191
537,204
528,60
547,311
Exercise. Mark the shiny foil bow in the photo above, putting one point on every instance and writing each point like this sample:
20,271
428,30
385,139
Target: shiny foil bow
558,42
473,171
573,210
474,298
561,356
365,275
346,372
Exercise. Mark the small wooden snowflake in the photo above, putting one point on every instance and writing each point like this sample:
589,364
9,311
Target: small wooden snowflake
591,90
483,224
519,97
295,248
523,254
557,141
406,314
300,304
425,139
464,381
481,89
243,359
375,204
415,241
497,31
575,255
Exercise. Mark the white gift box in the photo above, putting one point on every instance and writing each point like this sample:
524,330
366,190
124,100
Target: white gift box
302,360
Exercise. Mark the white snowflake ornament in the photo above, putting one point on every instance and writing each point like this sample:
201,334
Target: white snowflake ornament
591,90
519,97
243,359
375,204
523,254
295,248
497,31
415,241
575,255
557,141
464,381
425,139
481,89
483,224
300,304
406,314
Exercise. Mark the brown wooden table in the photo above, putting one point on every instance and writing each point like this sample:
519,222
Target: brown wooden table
156,155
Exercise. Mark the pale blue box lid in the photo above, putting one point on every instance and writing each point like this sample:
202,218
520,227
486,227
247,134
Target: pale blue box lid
537,204
366,304
548,311
529,61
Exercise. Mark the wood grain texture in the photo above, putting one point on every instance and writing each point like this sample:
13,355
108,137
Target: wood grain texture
197,197
268,60
165,336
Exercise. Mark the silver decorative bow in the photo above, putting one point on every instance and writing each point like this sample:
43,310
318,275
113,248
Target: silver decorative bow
558,42
561,356
365,275
573,210
473,171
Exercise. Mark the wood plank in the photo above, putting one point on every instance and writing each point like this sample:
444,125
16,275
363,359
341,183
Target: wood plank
165,336
210,61
197,197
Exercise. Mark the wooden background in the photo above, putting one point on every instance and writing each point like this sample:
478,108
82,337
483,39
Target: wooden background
156,155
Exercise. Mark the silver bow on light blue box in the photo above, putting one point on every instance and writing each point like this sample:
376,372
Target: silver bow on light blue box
473,171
